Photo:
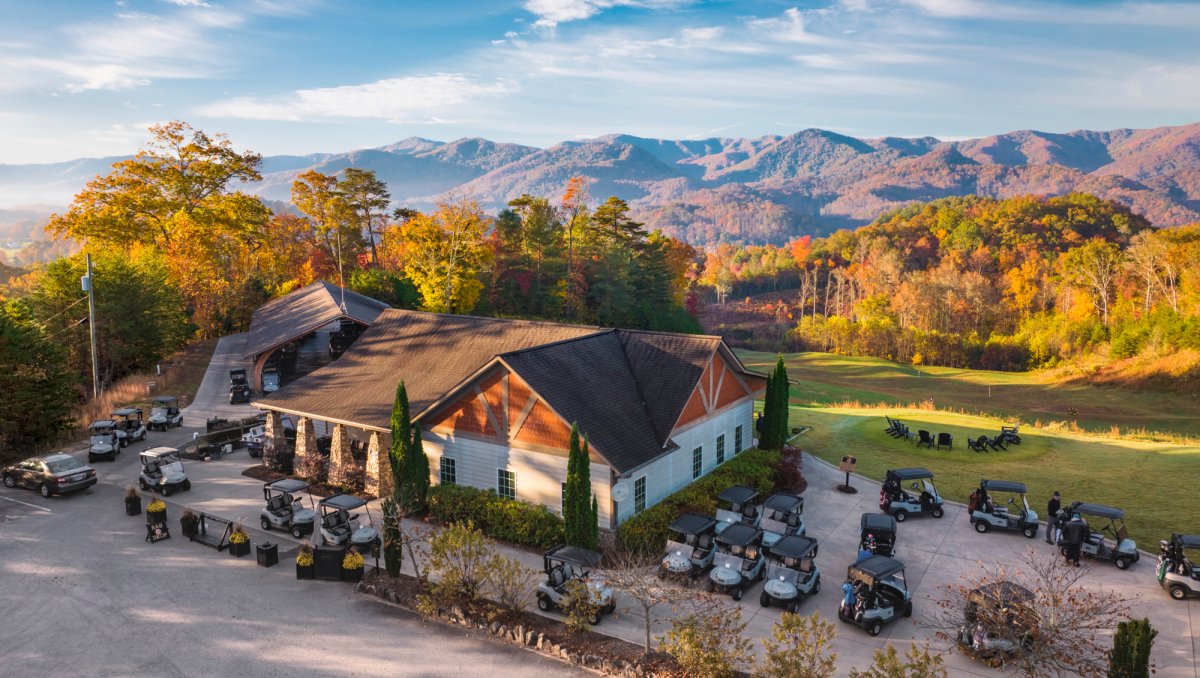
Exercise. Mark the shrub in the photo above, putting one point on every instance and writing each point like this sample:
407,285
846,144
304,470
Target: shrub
647,531
799,647
1130,656
710,642
498,517
512,584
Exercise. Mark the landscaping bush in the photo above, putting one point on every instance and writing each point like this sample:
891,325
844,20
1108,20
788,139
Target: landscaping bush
647,531
498,517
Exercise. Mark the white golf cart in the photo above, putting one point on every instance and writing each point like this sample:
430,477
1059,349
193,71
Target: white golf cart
792,573
737,505
340,527
129,425
898,502
284,508
989,513
874,594
564,564
782,517
103,441
162,471
165,413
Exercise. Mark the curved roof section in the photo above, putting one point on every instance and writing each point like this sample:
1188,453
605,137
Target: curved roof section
305,310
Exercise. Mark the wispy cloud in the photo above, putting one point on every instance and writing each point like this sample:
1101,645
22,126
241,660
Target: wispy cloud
550,13
1158,14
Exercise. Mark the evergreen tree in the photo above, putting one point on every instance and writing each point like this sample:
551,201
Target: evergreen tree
579,515
774,431
401,439
418,472
35,379
1130,656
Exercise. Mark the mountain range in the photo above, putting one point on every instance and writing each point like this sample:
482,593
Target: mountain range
766,189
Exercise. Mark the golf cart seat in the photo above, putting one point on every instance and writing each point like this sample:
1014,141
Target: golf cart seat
152,470
806,565
1000,512
557,578
337,524
1095,538
749,510
704,543
277,504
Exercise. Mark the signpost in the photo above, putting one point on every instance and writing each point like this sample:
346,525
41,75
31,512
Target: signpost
847,466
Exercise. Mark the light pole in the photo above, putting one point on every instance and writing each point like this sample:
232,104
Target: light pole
89,287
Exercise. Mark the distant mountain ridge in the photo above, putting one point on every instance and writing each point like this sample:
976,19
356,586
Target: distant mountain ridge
762,189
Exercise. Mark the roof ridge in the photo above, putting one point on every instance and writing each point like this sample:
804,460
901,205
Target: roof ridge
524,321
529,349
664,333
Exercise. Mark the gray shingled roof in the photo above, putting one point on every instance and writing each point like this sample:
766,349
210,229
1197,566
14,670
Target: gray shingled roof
309,308
676,362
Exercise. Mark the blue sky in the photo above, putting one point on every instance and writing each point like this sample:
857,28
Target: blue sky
87,78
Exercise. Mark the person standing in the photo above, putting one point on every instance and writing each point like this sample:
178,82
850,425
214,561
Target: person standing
1074,533
1052,508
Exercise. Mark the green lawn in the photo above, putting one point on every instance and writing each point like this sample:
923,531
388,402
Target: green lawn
1154,482
825,379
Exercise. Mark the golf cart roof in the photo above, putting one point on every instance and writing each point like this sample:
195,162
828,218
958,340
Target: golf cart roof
876,567
1003,486
156,452
1099,510
574,555
126,411
793,546
738,494
739,534
103,423
877,522
288,485
1187,541
346,502
1003,592
909,473
693,523
784,503
163,400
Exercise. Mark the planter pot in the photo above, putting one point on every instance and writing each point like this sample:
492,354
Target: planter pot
239,550
353,576
133,506
153,517
190,527
305,572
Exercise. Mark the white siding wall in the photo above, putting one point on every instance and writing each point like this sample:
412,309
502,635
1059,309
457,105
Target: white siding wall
671,472
539,476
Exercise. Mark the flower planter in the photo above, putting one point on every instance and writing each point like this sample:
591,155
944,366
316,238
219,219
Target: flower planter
190,526
159,517
353,576
239,549
305,572
133,506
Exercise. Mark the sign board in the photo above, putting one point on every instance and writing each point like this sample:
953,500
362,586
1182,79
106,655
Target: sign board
847,464
157,532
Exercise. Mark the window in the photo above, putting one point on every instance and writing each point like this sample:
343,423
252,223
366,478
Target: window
448,472
639,495
562,507
721,449
506,483
697,462
737,440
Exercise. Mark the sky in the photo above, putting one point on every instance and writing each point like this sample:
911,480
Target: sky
86,78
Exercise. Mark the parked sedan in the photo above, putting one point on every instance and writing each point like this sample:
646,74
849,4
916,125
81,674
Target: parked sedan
50,474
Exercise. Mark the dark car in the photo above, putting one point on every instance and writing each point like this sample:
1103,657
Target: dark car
50,474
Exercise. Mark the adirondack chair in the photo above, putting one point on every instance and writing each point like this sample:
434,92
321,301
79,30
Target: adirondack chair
923,438
978,445
997,443
946,440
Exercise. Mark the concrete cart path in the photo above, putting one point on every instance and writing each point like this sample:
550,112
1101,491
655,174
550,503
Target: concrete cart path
212,398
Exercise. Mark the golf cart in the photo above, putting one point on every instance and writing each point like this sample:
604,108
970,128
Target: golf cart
162,471
339,527
877,534
239,386
270,379
129,425
1112,542
895,500
988,513
998,620
738,562
736,505
791,573
782,517
104,441
875,593
285,510
690,547
564,564
1177,573
165,413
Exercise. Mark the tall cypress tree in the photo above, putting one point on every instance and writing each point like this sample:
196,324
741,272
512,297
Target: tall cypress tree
781,402
418,472
579,524
401,440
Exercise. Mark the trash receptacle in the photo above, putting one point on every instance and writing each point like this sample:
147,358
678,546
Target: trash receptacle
268,554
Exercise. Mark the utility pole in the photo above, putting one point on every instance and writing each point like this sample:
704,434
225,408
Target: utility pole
89,287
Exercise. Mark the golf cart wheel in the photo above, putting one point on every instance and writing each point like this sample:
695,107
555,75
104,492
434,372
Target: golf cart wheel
875,627
543,603
711,586
841,616
1030,532
901,516
981,526
938,512
166,490
737,594
816,586
10,482
908,608
91,459
297,533
266,524
124,442
44,490
764,599
594,618
1178,592
816,548
187,485
142,483
662,574
794,607
1122,563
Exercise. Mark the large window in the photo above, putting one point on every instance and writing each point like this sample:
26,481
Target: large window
506,483
639,495
737,440
448,472
697,462
721,449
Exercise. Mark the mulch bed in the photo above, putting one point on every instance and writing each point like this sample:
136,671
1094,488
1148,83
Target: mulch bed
319,490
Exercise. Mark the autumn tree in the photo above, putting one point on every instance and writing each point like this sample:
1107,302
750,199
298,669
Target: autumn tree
1094,266
709,640
799,647
646,597
917,662
331,218
444,253
366,197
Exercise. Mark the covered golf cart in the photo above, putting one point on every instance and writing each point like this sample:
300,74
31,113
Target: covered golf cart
165,413
737,505
340,527
738,562
1111,541
284,508
877,534
129,425
162,471
999,620
791,573
690,547
103,441
1014,514
875,593
271,379
564,564
1179,565
239,386
900,502
782,517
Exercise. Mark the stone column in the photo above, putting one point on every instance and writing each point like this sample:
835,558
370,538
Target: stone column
309,464
274,443
379,469
341,461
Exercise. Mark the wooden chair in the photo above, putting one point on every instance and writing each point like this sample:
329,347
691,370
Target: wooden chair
923,438
978,445
945,439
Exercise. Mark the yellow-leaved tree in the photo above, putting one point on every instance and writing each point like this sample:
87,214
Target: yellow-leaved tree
444,252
